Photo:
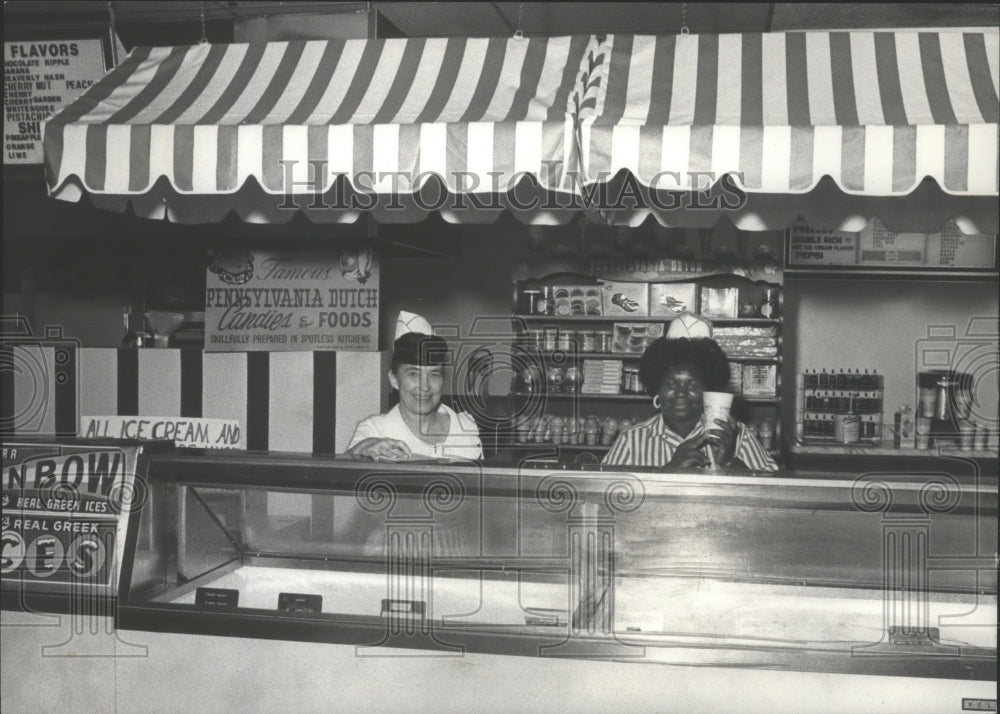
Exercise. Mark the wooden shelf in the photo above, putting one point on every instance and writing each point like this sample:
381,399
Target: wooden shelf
758,360
579,355
569,396
757,400
585,319
863,449
625,356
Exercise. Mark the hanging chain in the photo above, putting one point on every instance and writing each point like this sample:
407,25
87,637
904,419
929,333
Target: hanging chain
112,34
684,19
518,34
204,33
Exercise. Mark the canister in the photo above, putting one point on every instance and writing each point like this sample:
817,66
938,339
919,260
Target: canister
967,434
550,339
604,340
846,428
588,340
765,433
565,340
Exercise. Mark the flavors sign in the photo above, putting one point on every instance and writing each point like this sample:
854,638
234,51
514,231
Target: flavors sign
292,301
39,78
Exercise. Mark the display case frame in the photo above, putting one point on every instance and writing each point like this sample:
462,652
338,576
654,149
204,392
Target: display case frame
762,553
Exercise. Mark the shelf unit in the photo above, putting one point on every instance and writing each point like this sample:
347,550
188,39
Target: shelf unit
822,406
624,404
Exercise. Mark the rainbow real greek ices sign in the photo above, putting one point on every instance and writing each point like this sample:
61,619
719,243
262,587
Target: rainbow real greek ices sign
292,301
65,510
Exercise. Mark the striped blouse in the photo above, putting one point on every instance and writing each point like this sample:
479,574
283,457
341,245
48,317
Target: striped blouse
652,443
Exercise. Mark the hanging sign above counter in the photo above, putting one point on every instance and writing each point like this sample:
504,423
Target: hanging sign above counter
653,254
292,301
877,247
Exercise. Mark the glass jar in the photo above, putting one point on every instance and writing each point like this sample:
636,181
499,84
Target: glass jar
588,340
765,433
604,340
565,340
530,380
572,380
554,378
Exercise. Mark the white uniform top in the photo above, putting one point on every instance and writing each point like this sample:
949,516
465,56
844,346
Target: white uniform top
462,441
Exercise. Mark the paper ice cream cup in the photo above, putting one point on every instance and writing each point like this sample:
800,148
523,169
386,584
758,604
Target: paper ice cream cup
716,405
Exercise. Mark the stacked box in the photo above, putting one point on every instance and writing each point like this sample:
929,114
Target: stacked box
671,299
719,302
735,377
602,376
628,299
760,380
576,300
635,337
747,341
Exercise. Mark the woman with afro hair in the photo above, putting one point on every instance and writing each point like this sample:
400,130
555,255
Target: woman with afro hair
676,373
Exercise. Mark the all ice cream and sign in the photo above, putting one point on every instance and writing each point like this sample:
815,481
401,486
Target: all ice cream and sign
40,78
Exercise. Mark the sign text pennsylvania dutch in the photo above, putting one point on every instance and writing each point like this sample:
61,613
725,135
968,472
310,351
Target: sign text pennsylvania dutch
289,301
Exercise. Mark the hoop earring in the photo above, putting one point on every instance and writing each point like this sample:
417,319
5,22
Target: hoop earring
656,402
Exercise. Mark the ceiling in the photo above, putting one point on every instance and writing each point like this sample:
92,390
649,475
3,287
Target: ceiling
471,19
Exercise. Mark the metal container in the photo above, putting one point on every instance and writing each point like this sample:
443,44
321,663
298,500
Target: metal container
846,428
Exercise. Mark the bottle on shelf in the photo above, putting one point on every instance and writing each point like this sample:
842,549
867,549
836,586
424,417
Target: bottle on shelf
769,308
131,338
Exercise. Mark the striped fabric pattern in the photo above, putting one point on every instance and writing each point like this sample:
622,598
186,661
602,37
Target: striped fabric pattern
302,402
652,444
211,117
875,111
878,112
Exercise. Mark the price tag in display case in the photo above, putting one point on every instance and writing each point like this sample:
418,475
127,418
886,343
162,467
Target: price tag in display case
299,602
217,597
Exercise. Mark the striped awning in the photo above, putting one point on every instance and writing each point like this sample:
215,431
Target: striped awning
386,115
877,112
192,133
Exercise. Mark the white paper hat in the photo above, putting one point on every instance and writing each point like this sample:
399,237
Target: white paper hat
408,322
687,324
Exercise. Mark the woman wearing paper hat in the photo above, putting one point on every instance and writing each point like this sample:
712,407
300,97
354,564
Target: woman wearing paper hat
420,425
678,371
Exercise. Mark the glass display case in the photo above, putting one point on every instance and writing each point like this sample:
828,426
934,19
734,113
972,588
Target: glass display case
885,574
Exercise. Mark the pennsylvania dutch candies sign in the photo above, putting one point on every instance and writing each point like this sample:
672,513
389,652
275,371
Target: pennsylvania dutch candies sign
290,301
